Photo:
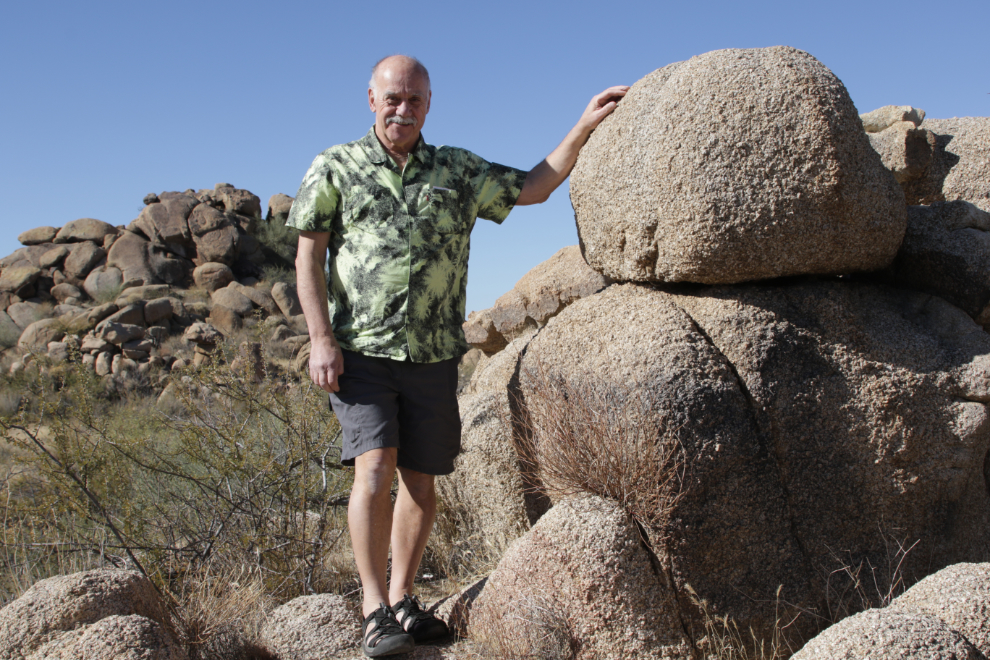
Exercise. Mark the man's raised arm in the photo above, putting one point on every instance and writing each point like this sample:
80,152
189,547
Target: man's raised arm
551,172
326,362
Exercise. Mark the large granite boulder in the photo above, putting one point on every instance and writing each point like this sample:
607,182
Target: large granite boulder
37,335
140,259
38,235
816,420
883,118
83,257
278,208
905,149
946,252
104,283
884,634
116,637
735,165
537,603
85,229
57,606
960,169
18,278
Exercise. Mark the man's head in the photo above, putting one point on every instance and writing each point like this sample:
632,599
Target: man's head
399,95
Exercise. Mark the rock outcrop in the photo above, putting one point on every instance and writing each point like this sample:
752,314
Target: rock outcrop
717,170
311,628
960,169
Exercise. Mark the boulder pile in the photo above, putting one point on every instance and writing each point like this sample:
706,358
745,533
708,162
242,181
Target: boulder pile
111,296
813,349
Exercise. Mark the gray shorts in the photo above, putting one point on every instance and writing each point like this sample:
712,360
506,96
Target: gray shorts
408,405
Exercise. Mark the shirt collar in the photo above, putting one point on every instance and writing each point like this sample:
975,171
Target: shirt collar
421,153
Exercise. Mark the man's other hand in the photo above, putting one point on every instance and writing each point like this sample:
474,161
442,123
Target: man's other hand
601,106
326,363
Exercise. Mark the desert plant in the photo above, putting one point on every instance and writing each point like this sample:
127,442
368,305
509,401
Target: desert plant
724,640
278,243
537,629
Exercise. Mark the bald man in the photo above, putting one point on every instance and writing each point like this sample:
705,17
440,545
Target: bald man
395,215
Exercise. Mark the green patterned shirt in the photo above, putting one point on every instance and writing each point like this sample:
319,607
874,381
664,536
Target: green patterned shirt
399,241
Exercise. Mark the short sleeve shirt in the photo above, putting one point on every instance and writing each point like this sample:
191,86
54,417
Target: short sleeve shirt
399,241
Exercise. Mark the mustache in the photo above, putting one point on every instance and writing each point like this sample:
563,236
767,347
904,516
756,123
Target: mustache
402,121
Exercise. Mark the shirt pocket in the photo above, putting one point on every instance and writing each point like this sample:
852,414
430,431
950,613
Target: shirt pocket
443,209
361,211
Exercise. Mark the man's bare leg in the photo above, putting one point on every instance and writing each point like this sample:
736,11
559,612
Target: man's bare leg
412,521
369,516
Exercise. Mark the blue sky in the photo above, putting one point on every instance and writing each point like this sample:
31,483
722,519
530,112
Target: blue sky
104,102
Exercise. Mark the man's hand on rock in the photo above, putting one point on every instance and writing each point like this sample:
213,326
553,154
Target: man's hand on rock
601,106
326,363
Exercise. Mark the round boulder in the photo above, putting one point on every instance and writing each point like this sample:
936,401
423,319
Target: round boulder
312,628
212,276
735,165
38,235
85,229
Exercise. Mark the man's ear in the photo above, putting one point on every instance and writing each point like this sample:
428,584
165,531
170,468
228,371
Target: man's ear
429,97
371,99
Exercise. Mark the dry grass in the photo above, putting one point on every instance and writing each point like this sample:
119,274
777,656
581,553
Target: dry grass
600,438
537,629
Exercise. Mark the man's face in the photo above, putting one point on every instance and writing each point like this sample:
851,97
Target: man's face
400,102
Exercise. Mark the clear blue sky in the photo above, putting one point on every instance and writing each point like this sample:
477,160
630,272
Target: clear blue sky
104,102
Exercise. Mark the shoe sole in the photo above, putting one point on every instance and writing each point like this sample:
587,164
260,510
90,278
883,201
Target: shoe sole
390,646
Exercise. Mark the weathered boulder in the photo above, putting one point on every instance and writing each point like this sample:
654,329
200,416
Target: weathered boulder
960,169
243,202
103,283
64,291
287,299
537,601
119,333
26,256
140,294
158,310
82,258
131,637
311,628
644,368
959,595
88,320
218,245
167,220
905,150
132,314
38,235
202,334
26,313
85,229
883,118
233,299
279,206
52,258
259,297
946,252
212,276
481,333
225,319
10,332
37,335
888,635
735,165
137,258
18,278
53,607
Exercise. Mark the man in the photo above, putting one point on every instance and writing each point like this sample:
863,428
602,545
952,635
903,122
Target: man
396,215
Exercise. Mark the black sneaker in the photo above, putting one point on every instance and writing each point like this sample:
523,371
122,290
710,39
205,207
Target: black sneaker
419,623
382,635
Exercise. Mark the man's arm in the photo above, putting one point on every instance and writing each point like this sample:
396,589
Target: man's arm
326,362
551,172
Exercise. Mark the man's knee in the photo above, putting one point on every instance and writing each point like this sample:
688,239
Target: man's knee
420,486
374,469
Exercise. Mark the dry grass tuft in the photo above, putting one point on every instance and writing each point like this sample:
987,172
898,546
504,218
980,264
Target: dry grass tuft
538,629
600,438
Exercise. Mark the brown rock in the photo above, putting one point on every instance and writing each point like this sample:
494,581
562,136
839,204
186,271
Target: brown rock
536,603
960,169
455,610
37,335
287,299
84,229
52,607
280,334
26,313
139,259
158,310
883,118
225,319
958,595
946,252
240,201
311,628
480,332
26,256
203,334
140,294
119,333
888,635
88,320
10,332
219,245
82,259
116,637
301,362
249,362
132,314
234,300
53,257
259,297
38,235
717,170
279,206
212,276
15,279
61,292
204,218
905,150
104,363
103,283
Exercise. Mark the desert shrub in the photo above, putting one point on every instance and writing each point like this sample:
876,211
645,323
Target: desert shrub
109,294
232,478
278,243
537,629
